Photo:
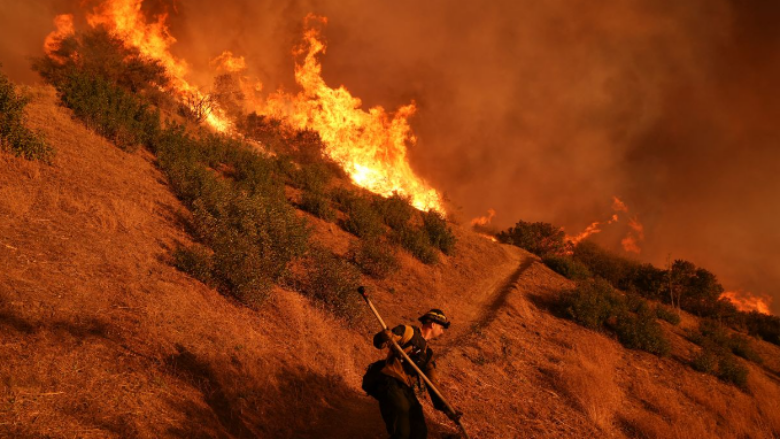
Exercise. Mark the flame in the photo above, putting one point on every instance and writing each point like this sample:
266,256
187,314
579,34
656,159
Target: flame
64,28
124,19
635,236
370,145
590,230
484,220
618,206
229,63
630,243
747,302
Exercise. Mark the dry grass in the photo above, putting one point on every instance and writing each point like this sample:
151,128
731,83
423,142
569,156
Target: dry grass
103,338
586,376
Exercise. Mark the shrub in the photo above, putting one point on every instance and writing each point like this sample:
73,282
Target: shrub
641,331
705,362
312,177
567,267
537,238
362,220
343,198
764,326
333,282
418,244
318,205
98,54
375,258
395,210
254,238
195,261
112,112
615,269
730,371
439,235
742,347
14,136
592,303
669,315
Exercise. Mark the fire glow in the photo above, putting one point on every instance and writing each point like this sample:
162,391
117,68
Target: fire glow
747,302
630,242
370,145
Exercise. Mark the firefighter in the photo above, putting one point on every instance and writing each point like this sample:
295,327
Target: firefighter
399,384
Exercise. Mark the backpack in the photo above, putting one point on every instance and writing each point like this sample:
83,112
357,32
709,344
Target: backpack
373,377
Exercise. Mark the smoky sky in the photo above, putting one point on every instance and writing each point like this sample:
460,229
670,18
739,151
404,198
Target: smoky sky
542,111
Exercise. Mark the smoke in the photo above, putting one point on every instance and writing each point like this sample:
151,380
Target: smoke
542,111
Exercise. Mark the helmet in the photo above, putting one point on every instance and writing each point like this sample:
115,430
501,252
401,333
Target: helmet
436,316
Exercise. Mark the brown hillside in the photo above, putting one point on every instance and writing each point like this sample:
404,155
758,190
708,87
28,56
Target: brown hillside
100,337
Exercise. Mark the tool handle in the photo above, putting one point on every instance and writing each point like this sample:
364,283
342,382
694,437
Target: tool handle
406,358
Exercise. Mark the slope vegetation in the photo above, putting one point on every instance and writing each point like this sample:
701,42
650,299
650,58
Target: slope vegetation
103,338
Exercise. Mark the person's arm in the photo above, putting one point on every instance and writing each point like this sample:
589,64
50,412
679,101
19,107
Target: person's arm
383,337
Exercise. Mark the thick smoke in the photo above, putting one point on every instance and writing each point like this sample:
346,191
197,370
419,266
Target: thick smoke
543,111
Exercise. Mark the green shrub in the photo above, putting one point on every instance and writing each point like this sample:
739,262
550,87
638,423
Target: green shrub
362,220
439,235
641,331
567,267
96,53
592,303
730,371
318,205
706,361
333,282
313,177
417,242
742,347
195,261
254,238
111,111
395,210
537,238
669,315
14,136
375,258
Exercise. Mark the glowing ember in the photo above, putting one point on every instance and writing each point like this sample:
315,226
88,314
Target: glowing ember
64,29
370,145
747,302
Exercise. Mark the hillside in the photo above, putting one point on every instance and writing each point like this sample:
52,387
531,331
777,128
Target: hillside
103,338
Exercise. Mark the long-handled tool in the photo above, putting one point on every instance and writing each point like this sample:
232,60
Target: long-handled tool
406,358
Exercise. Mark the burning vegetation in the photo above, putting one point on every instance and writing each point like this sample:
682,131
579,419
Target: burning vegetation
371,146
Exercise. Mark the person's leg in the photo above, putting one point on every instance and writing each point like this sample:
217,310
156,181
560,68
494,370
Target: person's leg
417,419
394,406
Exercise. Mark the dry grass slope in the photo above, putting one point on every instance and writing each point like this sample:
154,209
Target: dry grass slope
102,338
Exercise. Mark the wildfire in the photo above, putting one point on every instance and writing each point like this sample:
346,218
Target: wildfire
747,302
484,220
630,242
124,19
370,145
64,28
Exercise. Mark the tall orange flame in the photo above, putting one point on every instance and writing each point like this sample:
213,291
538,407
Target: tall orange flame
370,145
746,301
